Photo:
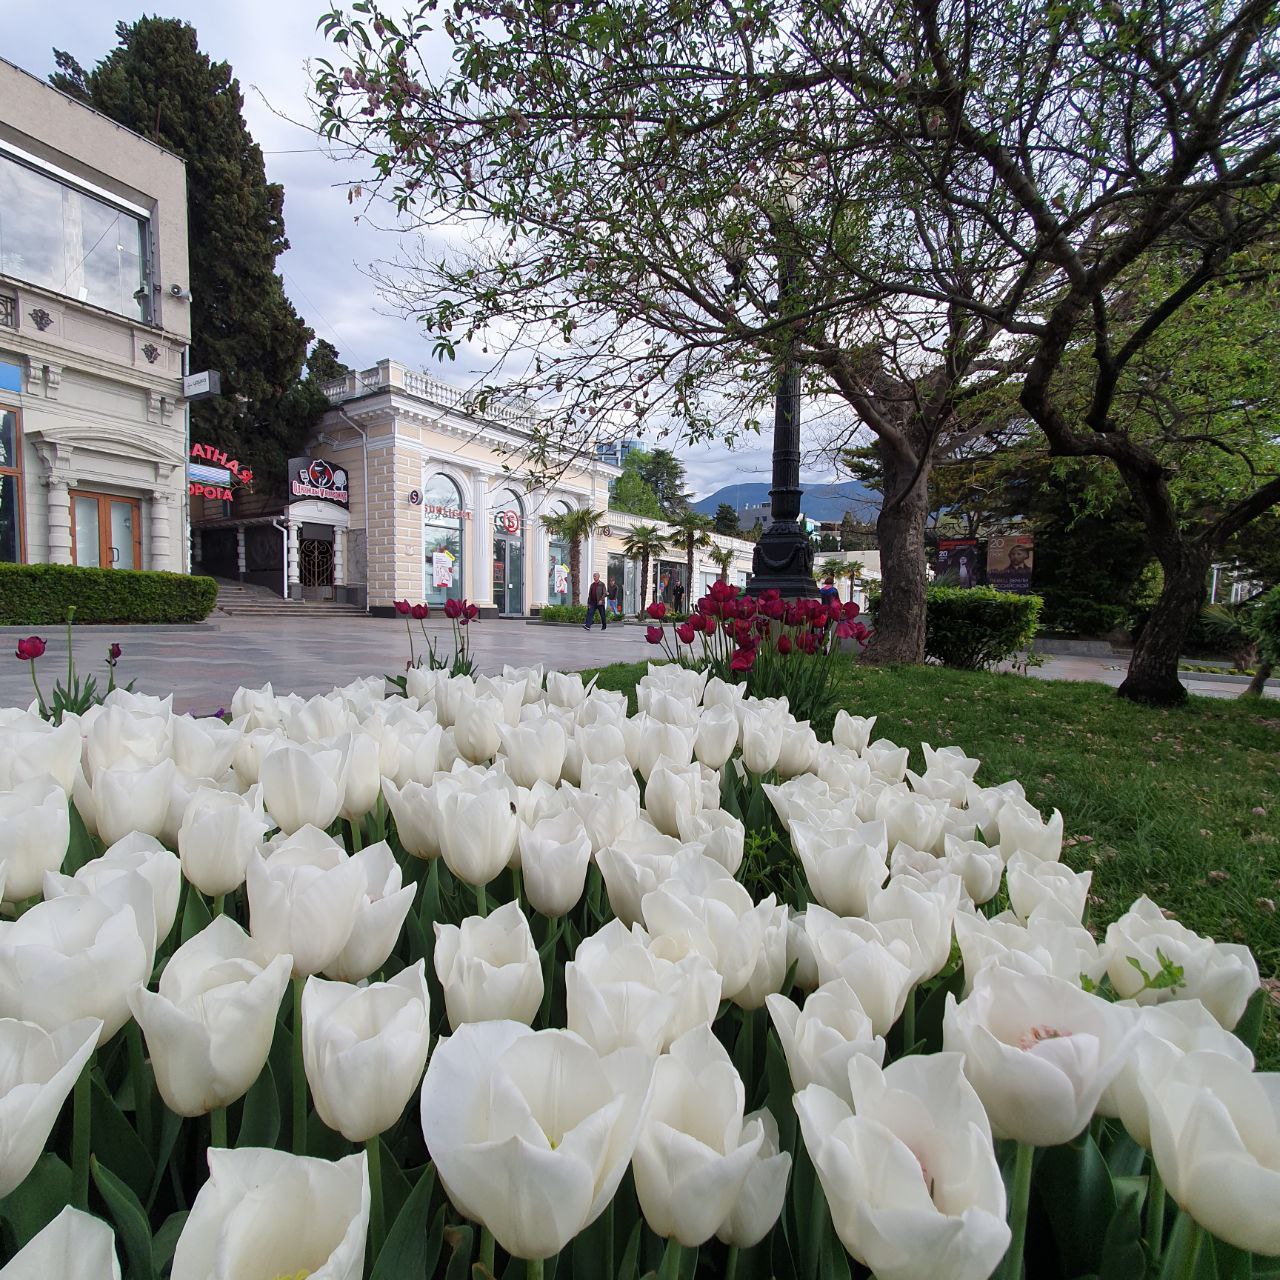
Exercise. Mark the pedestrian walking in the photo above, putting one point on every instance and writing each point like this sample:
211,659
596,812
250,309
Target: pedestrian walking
677,595
828,593
595,604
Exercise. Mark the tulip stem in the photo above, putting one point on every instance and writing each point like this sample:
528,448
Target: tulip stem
1192,1254
671,1260
1155,1215
141,1091
299,1075
81,1108
482,901
731,1264
1011,1267
218,905
218,1127
909,1022
377,1218
487,1248
357,836
533,1269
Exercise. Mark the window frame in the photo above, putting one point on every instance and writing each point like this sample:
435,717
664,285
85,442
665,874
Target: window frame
104,526
19,479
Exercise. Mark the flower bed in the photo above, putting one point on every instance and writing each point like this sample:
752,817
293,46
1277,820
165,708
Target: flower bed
633,986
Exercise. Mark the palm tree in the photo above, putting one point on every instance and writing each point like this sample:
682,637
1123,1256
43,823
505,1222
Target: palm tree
722,558
573,526
645,542
689,531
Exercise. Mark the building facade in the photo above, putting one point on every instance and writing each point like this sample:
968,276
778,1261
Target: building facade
94,328
404,495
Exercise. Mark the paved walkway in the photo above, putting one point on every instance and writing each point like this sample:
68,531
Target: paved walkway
204,664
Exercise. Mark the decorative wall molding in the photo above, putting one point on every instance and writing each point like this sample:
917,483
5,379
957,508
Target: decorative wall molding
41,318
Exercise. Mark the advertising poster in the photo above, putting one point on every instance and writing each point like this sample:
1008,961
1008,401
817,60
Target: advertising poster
442,569
562,579
1009,562
959,562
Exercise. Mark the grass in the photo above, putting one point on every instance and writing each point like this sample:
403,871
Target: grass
1182,805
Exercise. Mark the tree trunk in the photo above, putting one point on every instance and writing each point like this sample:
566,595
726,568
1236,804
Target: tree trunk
575,574
644,583
1261,674
1153,669
900,616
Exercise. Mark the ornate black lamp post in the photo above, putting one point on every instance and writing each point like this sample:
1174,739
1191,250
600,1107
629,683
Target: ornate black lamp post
783,558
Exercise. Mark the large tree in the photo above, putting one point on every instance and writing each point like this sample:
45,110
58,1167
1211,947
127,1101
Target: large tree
632,492
160,84
727,521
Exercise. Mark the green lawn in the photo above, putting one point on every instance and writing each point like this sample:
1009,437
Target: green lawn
1183,805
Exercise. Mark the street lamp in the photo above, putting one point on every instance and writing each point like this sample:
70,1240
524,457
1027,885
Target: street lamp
783,558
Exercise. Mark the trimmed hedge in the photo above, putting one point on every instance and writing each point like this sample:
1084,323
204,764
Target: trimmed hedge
563,613
972,628
40,594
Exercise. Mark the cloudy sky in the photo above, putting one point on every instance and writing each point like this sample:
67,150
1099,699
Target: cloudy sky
269,45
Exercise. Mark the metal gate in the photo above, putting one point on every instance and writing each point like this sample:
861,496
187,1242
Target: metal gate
315,569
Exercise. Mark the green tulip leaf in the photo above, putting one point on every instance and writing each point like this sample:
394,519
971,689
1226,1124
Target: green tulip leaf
1075,1187
403,1255
1232,1263
131,1223
37,1200
630,1256
117,1145
1179,1248
166,1239
1249,1028
81,847
417,937
1123,1256
260,1117
195,915
170,1130
459,1240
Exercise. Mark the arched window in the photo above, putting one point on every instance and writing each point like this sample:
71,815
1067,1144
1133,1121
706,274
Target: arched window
443,542
508,552
558,591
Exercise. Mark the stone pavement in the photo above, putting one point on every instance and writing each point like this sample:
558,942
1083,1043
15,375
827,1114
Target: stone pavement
203,664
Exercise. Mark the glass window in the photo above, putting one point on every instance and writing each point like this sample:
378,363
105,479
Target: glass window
107,531
10,487
508,553
558,562
443,543
66,240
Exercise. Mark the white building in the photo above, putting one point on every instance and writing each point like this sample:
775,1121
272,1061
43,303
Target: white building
94,326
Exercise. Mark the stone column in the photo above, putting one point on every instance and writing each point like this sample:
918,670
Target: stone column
295,571
339,557
241,561
59,520
538,551
161,501
479,588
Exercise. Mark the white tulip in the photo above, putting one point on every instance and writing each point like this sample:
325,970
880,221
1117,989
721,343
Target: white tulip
948,785
540,801
74,957
210,1027
672,708
365,1049
950,759
1215,1136
1022,829
717,735
37,1071
607,814
720,693
219,831
565,688
531,678
649,740
911,1179
806,799
761,741
764,1191
876,967
1051,886
819,1039
128,800
74,1246
37,830
475,729
887,760
695,1149
254,747
672,792
844,771
264,1213
489,968
844,865
923,916
852,732
621,992
770,969
415,810
554,855
801,959
534,751
979,867
1223,975
304,897
204,747
721,835
1038,1050
258,708
531,1132
914,820
117,738
302,785
1166,1032
703,909
109,878
361,772
799,749
423,684
380,915
601,742
478,834
319,717
1047,943
32,751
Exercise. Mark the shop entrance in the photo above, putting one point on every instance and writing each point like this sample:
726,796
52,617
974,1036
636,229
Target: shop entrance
508,554
315,568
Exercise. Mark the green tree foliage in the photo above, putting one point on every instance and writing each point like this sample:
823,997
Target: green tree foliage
574,527
663,472
159,84
689,532
848,533
632,492
726,521
645,543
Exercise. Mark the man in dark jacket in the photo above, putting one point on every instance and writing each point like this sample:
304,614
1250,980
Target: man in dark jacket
595,604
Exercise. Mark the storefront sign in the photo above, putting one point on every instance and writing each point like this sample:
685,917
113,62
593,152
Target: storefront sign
447,513
1009,563
211,473
201,386
507,522
314,478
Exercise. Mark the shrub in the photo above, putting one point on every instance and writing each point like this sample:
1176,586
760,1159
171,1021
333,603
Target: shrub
40,594
564,613
975,627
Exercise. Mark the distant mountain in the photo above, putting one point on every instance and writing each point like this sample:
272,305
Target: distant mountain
821,502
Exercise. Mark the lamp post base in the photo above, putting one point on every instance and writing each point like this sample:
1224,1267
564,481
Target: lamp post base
783,562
